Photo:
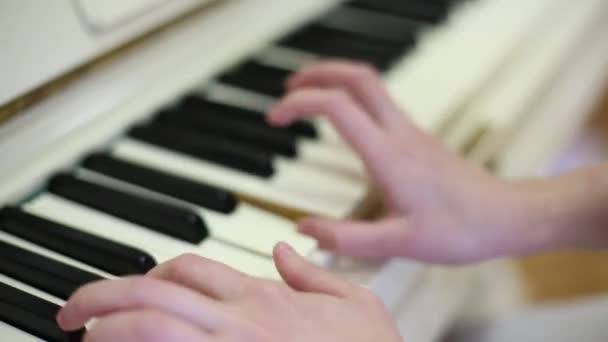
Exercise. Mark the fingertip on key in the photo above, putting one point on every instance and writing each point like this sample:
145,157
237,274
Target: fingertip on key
60,319
275,119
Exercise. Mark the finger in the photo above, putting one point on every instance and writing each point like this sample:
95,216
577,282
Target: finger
302,276
356,127
101,298
360,239
359,80
144,325
209,277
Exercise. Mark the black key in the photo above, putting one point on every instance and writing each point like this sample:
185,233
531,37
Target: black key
303,128
104,254
201,105
264,79
164,218
327,45
274,140
49,275
373,24
201,194
206,146
330,42
33,315
425,10
347,38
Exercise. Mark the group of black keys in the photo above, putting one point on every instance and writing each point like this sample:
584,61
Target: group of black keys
220,133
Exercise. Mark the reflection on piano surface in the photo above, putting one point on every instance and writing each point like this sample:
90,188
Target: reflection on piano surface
191,165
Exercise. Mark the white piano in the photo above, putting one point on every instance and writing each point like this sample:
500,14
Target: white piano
114,112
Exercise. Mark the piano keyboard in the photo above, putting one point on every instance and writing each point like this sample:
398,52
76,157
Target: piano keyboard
203,173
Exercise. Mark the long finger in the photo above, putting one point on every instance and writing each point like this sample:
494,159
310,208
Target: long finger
360,239
301,275
144,325
353,124
101,298
212,278
361,81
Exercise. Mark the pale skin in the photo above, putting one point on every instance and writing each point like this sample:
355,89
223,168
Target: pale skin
441,209
194,299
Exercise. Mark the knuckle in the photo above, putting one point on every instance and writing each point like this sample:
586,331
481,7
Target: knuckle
340,242
336,99
187,259
367,72
370,299
145,327
337,242
134,292
268,290
180,267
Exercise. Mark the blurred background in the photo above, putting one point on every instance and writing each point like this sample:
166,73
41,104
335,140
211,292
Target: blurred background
517,86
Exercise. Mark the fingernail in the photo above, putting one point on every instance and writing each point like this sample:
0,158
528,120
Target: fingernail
306,224
283,247
271,119
275,120
288,82
59,318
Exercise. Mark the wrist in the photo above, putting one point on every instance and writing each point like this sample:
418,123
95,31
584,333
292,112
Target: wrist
519,218
569,211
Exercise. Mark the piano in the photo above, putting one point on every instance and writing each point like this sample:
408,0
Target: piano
141,137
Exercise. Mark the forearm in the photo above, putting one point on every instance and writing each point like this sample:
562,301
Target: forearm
569,211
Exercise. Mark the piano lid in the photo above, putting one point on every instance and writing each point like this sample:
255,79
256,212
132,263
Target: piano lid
42,40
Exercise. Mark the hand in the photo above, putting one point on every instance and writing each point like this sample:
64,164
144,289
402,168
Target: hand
194,299
440,208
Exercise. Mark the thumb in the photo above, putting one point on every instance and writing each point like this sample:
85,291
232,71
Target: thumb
303,276
356,238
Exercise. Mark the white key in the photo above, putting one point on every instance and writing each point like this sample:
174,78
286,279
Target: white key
256,229
294,186
448,66
572,97
160,246
246,227
507,102
333,158
227,94
287,58
511,80
10,333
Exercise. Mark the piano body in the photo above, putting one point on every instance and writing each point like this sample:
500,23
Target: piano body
167,132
